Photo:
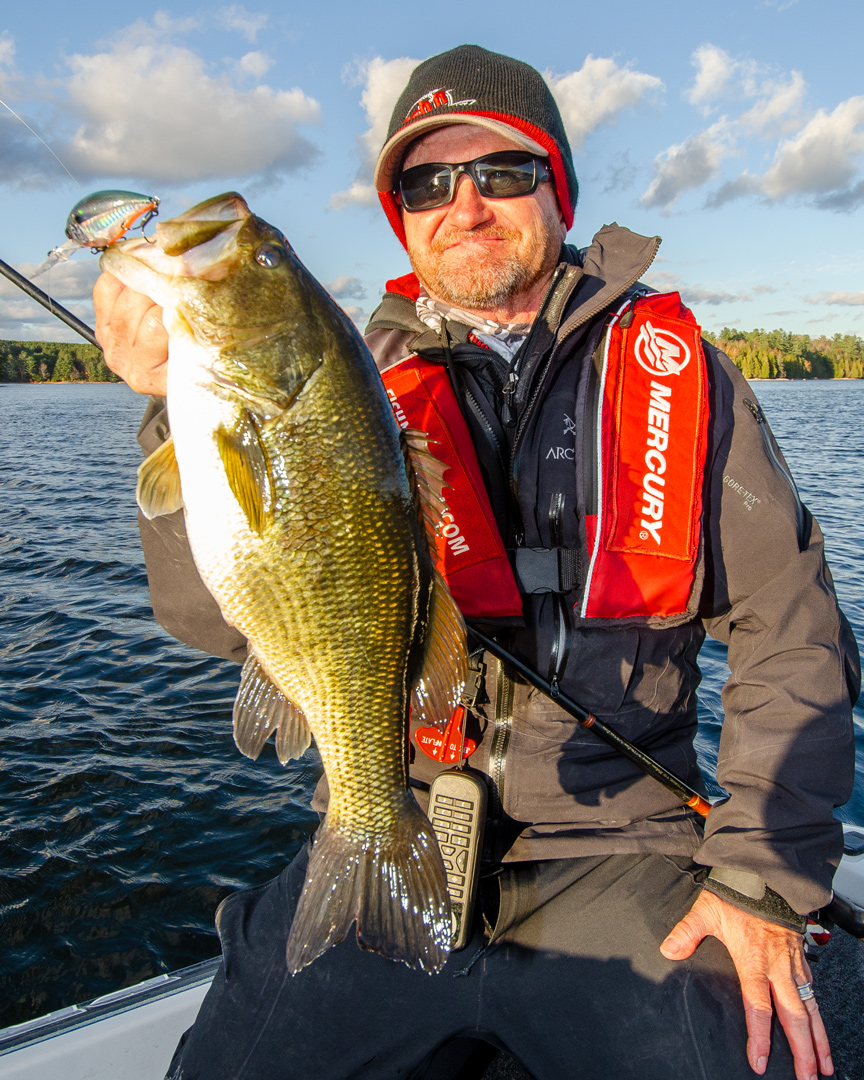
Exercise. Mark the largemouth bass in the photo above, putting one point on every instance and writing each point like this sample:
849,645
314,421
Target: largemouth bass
308,516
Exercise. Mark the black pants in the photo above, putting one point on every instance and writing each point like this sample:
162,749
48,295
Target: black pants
573,985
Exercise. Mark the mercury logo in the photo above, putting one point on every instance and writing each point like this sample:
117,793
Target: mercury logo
660,352
401,418
654,482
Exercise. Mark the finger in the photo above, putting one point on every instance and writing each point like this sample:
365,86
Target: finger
820,1037
758,1011
133,338
803,1026
684,937
105,291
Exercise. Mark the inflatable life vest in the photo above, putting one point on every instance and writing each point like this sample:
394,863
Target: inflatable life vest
652,422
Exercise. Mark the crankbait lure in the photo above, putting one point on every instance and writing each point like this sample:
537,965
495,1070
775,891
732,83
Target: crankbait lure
101,219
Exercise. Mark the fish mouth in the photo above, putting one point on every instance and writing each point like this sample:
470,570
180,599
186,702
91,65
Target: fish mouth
199,243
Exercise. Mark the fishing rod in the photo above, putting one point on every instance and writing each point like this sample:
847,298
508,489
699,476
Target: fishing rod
846,915
46,301
588,720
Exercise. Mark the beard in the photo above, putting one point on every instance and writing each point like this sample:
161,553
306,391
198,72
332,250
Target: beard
478,278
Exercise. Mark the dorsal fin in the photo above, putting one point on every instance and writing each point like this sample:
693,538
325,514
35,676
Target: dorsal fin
445,660
260,709
427,475
158,490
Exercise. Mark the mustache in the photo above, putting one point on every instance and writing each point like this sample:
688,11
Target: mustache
443,241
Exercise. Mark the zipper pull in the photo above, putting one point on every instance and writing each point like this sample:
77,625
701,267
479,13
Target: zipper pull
754,408
509,392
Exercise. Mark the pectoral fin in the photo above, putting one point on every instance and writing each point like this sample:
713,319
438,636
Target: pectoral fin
159,483
245,462
260,709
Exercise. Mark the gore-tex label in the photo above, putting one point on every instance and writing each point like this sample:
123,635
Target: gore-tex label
654,471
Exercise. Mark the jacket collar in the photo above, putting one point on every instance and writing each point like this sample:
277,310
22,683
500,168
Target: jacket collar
590,281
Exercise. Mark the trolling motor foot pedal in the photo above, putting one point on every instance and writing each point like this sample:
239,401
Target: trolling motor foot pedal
457,810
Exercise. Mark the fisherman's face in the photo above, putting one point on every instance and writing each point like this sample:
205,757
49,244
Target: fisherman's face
481,254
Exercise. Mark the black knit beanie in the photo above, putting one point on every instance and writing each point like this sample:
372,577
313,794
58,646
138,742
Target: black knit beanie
470,85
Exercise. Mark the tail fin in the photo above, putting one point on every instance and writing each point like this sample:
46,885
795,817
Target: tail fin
395,888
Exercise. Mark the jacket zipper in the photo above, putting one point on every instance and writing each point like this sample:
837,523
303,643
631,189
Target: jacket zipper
504,692
778,464
558,654
513,373
565,333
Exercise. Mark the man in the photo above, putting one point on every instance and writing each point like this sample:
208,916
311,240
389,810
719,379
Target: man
594,895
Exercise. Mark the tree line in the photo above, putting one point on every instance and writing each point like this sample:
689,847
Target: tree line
777,354
52,361
760,354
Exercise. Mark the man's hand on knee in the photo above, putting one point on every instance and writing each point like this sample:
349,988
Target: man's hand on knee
771,964
130,330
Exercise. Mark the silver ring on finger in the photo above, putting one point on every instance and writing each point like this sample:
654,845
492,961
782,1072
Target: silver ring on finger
805,991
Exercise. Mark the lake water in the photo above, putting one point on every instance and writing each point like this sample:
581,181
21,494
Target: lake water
127,813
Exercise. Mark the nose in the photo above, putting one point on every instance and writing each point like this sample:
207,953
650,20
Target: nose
468,208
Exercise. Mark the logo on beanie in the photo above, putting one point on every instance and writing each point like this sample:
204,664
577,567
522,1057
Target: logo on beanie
435,99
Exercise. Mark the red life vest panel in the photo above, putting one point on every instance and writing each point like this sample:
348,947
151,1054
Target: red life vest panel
471,555
652,420
653,425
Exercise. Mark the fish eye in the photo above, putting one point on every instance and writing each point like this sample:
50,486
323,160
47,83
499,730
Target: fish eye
270,255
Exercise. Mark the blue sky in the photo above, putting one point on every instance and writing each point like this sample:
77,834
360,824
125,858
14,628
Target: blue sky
734,131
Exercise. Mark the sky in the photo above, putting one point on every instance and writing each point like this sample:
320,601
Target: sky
734,131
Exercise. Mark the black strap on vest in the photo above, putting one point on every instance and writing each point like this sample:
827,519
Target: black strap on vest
546,570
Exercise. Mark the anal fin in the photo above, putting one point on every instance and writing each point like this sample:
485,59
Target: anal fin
261,708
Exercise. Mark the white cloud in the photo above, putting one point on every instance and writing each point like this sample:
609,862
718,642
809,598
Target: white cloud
709,297
153,110
359,194
66,281
822,157
7,51
715,70
778,100
779,108
688,165
597,93
247,24
384,81
256,64
345,288
822,160
843,299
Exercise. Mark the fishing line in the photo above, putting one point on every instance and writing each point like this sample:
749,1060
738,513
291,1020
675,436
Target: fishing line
39,137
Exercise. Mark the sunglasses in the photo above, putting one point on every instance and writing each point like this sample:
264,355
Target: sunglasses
504,175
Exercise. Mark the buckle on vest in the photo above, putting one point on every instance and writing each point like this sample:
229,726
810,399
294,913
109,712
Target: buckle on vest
546,570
